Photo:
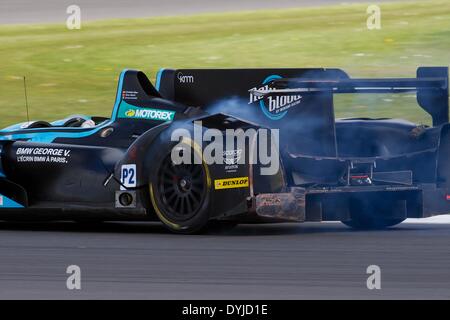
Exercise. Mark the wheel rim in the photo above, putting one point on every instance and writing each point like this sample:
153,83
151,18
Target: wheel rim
182,189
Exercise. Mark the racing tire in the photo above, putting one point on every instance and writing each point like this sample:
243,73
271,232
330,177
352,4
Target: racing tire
372,225
180,195
369,216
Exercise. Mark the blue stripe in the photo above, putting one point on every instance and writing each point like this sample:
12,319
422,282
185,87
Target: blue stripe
8,203
262,104
48,137
158,78
118,96
2,173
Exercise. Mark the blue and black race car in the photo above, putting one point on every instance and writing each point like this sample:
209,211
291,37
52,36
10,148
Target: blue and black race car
367,173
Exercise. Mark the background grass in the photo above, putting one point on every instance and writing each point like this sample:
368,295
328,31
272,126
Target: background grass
76,71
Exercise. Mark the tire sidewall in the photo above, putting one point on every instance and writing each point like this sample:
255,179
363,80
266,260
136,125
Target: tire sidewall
193,224
366,216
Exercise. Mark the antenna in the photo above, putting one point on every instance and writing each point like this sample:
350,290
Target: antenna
26,97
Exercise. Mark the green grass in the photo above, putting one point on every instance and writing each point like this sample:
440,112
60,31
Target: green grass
76,71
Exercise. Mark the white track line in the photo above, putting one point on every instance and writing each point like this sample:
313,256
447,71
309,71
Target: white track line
436,219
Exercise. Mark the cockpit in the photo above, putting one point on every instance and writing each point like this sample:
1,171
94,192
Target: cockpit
73,121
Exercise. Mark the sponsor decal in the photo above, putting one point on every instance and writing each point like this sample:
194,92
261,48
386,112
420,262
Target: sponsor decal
447,197
231,183
275,107
185,78
232,156
211,143
131,111
231,159
231,168
129,95
43,155
128,176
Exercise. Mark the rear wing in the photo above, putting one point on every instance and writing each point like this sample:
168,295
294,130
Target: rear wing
431,86
305,114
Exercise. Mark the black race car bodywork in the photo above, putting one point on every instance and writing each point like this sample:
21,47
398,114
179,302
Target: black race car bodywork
367,173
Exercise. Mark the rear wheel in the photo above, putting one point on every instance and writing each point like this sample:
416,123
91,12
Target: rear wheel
180,196
372,225
369,215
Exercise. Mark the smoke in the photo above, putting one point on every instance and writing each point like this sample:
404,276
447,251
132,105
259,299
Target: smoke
317,149
236,107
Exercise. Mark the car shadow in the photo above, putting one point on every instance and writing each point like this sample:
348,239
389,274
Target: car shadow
251,230
94,227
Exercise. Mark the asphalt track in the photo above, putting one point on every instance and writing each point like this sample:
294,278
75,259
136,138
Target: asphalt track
54,11
143,261
285,261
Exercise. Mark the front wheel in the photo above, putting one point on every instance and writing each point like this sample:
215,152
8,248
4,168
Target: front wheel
180,196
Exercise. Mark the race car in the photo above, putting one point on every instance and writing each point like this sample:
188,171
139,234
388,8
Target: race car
367,173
